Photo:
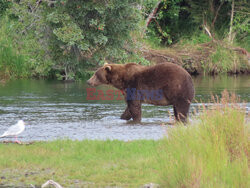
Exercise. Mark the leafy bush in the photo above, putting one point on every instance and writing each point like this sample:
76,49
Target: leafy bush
35,57
73,33
4,4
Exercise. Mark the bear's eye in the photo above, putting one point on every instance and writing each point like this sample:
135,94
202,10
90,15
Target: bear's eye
101,76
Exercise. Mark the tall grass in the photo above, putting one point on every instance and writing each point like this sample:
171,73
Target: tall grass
197,38
210,153
12,63
225,60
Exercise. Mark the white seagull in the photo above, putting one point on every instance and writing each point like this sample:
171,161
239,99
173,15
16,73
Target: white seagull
15,130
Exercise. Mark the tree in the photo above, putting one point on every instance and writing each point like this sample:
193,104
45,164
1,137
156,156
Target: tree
75,33
231,22
239,20
170,20
153,12
209,13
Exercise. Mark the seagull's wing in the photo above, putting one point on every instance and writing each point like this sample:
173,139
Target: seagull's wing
13,130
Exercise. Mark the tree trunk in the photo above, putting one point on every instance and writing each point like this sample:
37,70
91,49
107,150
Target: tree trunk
231,23
216,14
152,14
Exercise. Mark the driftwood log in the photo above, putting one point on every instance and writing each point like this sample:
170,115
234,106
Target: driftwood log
51,182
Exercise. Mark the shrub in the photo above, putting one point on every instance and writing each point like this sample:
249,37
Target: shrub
225,60
73,33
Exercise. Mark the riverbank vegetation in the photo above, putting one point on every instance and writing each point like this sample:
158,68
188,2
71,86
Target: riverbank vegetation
212,151
65,39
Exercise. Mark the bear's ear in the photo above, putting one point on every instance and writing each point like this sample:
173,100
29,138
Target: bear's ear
108,68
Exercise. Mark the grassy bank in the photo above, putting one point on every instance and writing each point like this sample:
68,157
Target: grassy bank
211,58
97,163
211,152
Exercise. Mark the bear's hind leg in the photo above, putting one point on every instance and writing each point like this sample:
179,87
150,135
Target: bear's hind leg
181,112
126,115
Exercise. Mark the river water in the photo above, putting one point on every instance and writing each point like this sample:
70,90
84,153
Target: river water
59,110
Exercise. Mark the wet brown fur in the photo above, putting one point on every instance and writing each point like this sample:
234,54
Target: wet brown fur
176,83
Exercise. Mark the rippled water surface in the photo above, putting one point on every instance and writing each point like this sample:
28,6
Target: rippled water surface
55,109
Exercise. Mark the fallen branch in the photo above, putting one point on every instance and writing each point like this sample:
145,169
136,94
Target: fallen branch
208,32
242,51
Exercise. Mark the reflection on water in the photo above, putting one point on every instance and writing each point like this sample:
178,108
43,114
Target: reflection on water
54,109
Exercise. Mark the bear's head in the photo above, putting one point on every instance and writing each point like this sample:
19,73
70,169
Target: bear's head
111,74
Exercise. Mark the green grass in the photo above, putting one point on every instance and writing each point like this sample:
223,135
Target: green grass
245,43
214,57
225,60
197,38
101,162
211,152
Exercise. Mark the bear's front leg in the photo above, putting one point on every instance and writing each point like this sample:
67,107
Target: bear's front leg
126,115
135,110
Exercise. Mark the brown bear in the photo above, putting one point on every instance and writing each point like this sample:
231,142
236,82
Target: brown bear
162,84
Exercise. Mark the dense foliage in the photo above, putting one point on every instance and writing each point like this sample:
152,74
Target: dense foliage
63,38
176,19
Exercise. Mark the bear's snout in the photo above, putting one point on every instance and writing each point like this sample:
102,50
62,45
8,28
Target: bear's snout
94,81
88,82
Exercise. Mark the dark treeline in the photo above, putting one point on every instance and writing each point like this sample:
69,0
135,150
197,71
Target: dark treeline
176,19
63,39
